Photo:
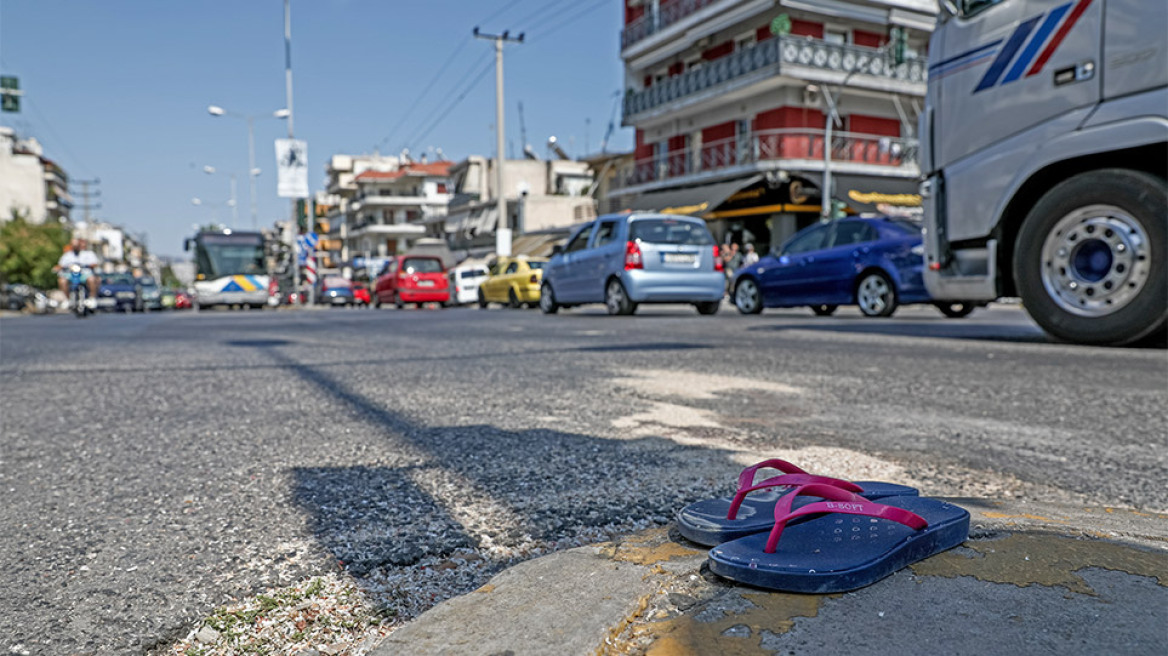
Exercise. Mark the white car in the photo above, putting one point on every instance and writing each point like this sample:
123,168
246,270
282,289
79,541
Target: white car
464,284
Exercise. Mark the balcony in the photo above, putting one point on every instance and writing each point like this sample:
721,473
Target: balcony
798,57
768,149
668,13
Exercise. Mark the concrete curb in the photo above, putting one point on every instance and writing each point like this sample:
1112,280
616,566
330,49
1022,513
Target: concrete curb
1061,578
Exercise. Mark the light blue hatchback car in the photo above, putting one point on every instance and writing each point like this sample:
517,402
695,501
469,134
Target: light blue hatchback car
623,260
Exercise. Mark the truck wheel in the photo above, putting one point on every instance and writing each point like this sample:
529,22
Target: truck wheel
1089,261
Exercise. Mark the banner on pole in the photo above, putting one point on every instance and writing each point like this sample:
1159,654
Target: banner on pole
291,168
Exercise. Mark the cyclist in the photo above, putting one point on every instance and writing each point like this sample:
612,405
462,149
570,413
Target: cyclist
79,254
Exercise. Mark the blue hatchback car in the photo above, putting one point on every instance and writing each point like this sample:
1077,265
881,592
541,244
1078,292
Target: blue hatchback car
875,263
623,260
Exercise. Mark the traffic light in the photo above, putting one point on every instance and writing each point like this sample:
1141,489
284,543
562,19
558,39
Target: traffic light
9,94
302,215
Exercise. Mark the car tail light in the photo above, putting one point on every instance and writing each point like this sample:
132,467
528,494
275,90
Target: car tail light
534,279
718,265
633,258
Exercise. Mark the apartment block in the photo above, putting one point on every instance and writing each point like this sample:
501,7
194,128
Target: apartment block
730,101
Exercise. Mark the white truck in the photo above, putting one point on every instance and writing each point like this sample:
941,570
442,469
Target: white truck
1045,158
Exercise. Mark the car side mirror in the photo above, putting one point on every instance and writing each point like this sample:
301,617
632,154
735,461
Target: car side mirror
948,9
557,249
186,244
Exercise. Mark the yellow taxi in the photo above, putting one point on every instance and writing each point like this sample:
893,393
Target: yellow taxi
514,281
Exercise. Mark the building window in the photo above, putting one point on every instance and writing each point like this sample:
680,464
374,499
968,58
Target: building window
835,36
441,187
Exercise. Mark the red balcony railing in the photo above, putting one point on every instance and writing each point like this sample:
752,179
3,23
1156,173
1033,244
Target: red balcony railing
668,12
770,145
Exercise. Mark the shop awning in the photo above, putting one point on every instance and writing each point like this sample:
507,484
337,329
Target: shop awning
474,221
689,200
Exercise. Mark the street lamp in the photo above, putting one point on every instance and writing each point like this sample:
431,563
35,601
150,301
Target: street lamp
211,170
252,171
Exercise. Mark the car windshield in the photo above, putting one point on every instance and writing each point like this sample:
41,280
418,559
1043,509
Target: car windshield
421,265
473,273
670,231
147,281
535,264
118,279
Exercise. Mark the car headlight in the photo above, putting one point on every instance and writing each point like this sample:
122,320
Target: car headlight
919,249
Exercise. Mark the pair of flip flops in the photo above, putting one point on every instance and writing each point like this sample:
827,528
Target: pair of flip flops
798,532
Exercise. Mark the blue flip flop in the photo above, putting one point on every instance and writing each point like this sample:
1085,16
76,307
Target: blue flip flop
751,510
848,543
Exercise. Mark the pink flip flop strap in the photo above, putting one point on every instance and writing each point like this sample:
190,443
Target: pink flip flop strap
836,501
787,480
746,478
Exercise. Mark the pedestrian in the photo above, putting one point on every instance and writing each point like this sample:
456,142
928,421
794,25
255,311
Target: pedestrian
750,257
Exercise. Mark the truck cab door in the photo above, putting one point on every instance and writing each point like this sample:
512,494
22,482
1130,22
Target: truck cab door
1003,66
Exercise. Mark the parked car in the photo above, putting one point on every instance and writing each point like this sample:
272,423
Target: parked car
627,259
875,263
183,300
117,291
514,281
361,294
416,279
464,284
335,290
149,295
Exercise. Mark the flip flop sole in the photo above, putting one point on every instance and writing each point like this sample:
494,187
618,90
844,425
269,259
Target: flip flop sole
837,553
705,523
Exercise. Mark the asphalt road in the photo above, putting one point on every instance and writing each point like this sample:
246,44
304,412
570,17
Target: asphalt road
155,467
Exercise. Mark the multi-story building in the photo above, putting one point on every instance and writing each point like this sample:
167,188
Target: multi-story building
730,100
31,185
383,205
539,196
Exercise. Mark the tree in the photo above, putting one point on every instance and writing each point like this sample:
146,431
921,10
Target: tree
28,252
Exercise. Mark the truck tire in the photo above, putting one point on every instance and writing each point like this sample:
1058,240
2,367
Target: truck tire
1089,261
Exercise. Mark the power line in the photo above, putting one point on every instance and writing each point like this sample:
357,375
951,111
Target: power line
438,76
471,73
481,75
500,12
544,9
572,18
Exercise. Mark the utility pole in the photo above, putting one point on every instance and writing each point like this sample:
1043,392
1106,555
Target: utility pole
502,232
295,231
87,196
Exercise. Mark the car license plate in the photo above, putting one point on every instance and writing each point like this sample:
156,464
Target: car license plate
125,294
679,258
425,283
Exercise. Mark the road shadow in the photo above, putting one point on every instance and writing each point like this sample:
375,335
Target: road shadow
939,329
651,346
464,489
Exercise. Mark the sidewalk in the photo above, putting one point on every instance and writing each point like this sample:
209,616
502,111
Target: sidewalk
1031,577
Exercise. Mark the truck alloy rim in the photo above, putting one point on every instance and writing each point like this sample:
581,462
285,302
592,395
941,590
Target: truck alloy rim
1095,261
745,295
873,294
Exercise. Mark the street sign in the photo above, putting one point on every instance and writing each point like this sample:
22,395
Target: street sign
291,168
10,94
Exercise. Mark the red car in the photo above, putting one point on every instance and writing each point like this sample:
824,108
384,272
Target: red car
413,279
361,294
182,301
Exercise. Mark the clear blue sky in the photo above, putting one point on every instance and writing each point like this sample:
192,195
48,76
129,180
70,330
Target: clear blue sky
118,89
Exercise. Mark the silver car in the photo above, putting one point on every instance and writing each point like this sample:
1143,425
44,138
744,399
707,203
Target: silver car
624,260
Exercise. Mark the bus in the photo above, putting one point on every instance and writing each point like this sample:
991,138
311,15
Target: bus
230,269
